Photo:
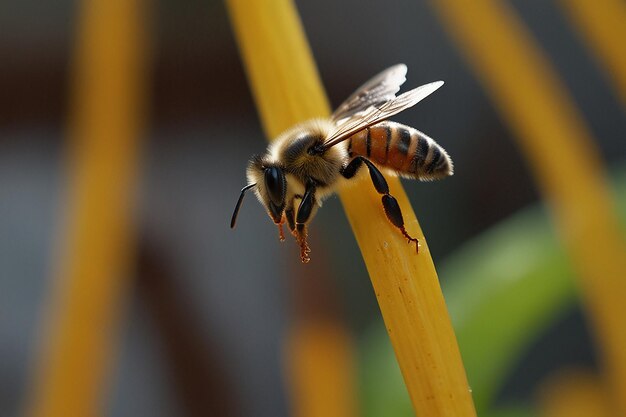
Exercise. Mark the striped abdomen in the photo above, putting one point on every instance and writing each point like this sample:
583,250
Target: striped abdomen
403,149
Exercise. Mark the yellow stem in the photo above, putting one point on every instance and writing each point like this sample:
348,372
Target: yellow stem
562,156
288,90
573,393
96,245
320,358
319,350
601,24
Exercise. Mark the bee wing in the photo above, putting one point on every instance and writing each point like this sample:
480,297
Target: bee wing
376,114
380,89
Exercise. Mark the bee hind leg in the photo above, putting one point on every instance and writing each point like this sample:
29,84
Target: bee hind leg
394,214
390,204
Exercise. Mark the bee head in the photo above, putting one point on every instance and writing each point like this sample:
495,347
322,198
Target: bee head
270,184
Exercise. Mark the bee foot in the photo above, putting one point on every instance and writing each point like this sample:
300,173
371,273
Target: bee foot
301,236
304,253
411,239
281,234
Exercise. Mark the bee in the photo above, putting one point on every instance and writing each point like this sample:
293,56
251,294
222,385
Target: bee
308,162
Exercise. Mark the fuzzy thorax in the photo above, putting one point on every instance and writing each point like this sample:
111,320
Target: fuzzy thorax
292,152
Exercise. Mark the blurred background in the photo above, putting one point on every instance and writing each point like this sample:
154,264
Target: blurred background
205,310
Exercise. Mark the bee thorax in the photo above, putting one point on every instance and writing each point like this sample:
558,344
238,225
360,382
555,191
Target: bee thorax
299,153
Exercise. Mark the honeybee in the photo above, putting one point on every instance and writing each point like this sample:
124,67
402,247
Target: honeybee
307,163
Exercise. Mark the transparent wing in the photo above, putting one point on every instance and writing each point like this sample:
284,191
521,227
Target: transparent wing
376,114
378,90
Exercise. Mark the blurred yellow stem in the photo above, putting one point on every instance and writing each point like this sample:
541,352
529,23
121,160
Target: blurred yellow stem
573,394
321,369
287,90
561,153
97,244
602,24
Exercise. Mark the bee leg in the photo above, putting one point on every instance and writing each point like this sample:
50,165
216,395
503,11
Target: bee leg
390,204
281,234
394,214
304,212
301,235
291,223
351,169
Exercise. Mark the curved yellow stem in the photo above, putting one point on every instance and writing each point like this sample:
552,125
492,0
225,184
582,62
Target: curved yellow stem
573,393
601,25
561,153
288,90
96,247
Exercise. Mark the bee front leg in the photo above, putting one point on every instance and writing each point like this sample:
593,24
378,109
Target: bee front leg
390,204
291,222
281,234
304,213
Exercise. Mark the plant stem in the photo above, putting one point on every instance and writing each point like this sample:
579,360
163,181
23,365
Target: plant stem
288,90
97,242
563,158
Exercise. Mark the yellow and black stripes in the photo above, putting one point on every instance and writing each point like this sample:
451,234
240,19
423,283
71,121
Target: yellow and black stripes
403,149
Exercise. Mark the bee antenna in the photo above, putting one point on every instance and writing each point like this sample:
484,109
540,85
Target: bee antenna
243,192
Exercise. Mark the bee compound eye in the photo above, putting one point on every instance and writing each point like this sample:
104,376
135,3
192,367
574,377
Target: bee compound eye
276,184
